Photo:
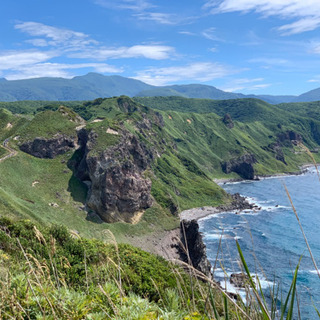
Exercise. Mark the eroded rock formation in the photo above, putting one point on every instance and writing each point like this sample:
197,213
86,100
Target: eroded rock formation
227,120
243,166
119,189
194,250
50,148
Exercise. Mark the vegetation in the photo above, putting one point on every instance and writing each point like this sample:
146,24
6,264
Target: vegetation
48,271
55,274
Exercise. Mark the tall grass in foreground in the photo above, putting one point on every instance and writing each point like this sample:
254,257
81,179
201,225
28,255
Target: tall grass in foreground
55,274
52,273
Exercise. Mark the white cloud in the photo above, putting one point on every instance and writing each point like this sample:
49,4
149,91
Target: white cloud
237,85
314,80
270,61
155,52
158,17
17,59
56,36
63,43
187,33
79,45
56,70
210,34
314,47
306,12
135,5
200,71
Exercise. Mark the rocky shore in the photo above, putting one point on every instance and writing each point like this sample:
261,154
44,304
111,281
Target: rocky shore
238,204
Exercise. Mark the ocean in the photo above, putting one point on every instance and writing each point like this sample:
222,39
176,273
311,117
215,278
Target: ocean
270,239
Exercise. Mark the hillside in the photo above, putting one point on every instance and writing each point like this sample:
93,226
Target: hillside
66,166
90,86
118,169
49,175
94,85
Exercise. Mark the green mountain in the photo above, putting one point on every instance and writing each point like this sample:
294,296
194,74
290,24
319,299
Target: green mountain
71,173
167,149
90,86
190,91
94,85
313,95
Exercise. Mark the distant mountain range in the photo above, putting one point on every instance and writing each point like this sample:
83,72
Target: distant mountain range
94,85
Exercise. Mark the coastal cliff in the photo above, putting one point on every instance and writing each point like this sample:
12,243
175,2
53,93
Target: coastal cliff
118,188
194,250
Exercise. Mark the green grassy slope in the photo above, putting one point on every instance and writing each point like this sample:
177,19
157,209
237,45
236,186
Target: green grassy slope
52,273
209,142
193,147
46,190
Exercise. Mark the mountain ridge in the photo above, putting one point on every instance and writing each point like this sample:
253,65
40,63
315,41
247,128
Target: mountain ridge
95,85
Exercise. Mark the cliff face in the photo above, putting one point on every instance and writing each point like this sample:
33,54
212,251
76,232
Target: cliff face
242,166
50,148
119,190
196,249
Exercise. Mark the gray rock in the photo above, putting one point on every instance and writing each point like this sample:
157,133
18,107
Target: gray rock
194,250
49,148
242,166
119,190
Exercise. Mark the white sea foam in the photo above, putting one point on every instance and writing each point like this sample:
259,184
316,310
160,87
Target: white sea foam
313,271
215,236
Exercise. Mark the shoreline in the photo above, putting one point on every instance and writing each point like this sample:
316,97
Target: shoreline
241,203
303,168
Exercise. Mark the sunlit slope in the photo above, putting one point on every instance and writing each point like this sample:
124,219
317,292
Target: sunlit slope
46,190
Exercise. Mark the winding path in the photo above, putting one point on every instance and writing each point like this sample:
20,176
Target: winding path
12,152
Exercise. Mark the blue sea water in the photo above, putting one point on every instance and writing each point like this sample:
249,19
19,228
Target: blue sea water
271,239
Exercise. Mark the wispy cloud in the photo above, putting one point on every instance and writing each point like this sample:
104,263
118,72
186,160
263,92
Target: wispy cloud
16,59
54,36
135,5
237,85
51,43
200,71
155,52
307,13
48,69
270,61
158,17
210,34
80,45
187,33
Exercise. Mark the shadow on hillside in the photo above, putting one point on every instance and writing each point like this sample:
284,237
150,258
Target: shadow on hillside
77,189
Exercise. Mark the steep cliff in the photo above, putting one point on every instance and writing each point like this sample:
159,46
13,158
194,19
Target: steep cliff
243,166
50,148
50,133
118,187
194,250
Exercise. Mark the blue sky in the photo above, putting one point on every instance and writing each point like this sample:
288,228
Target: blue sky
248,46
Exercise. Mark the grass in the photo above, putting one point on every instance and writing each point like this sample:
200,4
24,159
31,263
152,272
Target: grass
48,123
54,183
54,274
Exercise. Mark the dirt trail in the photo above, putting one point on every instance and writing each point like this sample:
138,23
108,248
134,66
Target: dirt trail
12,152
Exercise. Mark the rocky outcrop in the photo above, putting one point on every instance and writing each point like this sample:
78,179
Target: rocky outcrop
227,120
194,250
289,137
238,203
239,280
275,147
243,166
119,189
50,148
